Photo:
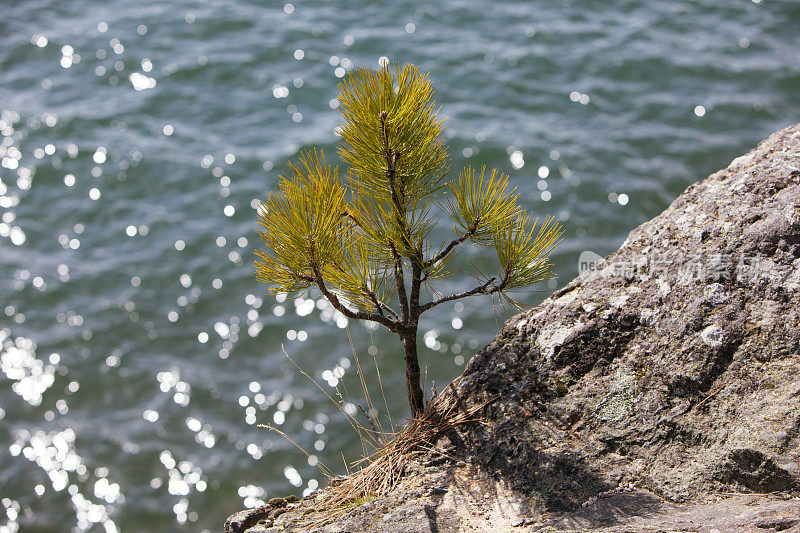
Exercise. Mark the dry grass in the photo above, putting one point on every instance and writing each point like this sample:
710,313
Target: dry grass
380,471
386,451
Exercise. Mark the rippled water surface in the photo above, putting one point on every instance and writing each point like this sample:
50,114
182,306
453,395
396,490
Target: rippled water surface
138,354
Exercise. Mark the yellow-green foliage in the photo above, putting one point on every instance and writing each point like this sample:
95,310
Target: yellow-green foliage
360,245
302,220
390,120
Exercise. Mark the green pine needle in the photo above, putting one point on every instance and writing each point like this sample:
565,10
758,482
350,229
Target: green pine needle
360,247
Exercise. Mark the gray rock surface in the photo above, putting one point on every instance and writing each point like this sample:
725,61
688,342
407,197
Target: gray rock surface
659,391
674,364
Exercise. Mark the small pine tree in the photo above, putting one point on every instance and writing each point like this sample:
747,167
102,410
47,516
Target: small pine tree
367,249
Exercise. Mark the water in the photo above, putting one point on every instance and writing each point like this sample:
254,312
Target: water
138,351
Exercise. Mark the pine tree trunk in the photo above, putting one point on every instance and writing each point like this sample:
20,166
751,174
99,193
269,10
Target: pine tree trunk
415,397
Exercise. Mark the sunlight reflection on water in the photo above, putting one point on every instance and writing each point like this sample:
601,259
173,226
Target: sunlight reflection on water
139,355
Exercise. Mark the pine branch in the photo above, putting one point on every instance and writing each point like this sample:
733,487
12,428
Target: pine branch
397,190
391,311
416,283
380,307
455,242
393,325
400,282
351,216
480,289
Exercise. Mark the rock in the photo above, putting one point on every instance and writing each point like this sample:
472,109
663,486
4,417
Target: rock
680,356
244,520
278,502
658,391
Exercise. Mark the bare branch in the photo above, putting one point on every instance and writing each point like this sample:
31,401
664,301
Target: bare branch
391,311
393,325
380,307
480,289
455,242
416,283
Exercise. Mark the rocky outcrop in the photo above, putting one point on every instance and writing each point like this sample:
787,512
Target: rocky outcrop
660,387
674,364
